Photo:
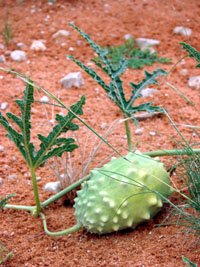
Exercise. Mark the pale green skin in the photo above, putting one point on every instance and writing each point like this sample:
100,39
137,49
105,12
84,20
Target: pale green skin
121,194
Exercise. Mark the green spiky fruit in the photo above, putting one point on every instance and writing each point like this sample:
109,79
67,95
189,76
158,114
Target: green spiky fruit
122,194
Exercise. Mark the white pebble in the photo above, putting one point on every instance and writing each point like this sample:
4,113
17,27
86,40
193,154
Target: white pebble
139,131
53,187
1,181
194,82
1,148
18,55
183,72
52,122
182,30
103,125
2,59
12,176
145,42
20,45
128,36
61,33
152,133
44,99
3,105
146,92
73,79
38,45
71,49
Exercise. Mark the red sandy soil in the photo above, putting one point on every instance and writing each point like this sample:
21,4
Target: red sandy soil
106,22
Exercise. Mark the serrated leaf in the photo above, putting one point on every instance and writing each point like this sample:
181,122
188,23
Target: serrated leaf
119,97
22,140
101,52
148,80
52,145
4,201
192,52
91,72
16,119
148,107
66,144
188,262
25,106
13,135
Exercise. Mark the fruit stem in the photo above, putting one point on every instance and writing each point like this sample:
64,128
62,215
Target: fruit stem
70,230
19,207
172,152
64,191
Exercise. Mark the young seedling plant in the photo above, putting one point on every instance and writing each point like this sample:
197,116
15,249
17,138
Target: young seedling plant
114,89
136,57
124,192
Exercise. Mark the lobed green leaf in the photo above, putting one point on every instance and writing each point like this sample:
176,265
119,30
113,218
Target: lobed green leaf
51,145
192,52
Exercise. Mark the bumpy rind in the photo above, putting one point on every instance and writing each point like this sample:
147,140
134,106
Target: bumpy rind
122,194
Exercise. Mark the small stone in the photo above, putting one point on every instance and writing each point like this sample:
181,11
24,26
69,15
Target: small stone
12,176
33,10
1,181
79,42
3,105
38,45
182,30
152,133
145,42
128,36
18,55
53,187
151,49
2,46
2,59
182,62
44,99
61,33
1,148
103,125
63,44
1,77
47,18
38,178
73,79
6,167
90,64
7,53
148,92
183,72
71,49
139,131
20,45
194,82
96,90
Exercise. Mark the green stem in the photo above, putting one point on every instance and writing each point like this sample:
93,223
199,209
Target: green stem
19,207
128,135
70,230
36,193
172,152
64,191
